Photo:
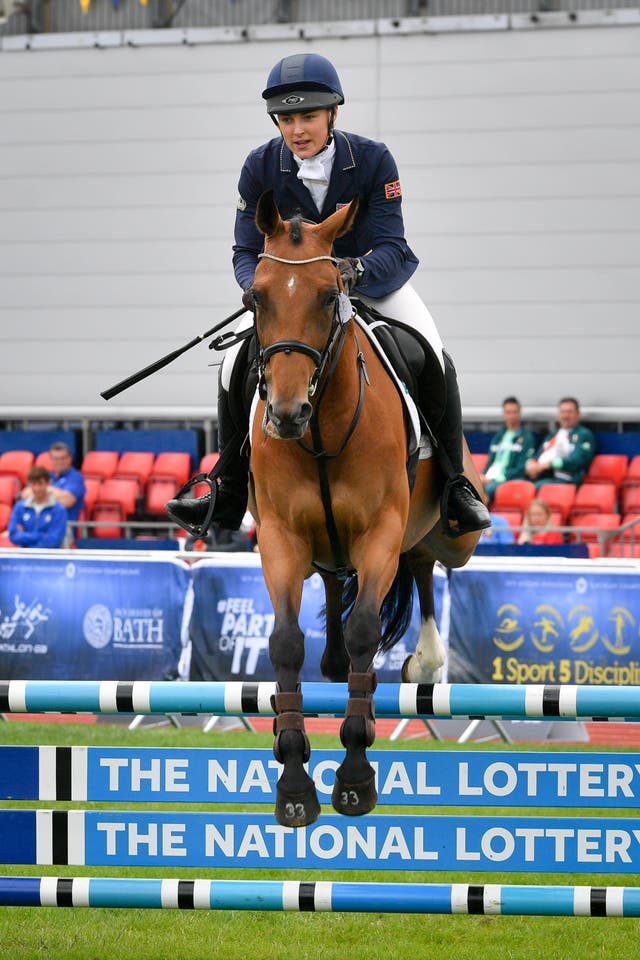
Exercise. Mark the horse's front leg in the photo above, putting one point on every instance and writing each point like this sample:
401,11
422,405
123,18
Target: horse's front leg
284,566
354,791
335,659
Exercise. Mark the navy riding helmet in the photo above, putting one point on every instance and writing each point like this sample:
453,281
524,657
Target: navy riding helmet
304,81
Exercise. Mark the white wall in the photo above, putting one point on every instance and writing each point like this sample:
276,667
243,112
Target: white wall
518,156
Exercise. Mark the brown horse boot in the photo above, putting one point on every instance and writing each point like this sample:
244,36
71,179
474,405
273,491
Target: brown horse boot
462,509
226,504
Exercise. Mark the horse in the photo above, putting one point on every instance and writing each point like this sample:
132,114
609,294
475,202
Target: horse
329,492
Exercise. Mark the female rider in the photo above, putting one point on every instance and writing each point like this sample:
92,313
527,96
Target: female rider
314,169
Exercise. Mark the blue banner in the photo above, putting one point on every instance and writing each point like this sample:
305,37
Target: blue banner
232,619
85,619
374,842
408,777
544,625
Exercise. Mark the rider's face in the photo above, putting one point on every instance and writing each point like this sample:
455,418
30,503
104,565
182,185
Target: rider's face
305,133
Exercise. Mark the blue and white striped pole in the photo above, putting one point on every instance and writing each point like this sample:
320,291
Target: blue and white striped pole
321,896
391,699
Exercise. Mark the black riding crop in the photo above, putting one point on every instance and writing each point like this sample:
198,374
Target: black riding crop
164,361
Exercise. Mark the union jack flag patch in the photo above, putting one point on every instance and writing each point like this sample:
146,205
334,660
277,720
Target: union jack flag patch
392,190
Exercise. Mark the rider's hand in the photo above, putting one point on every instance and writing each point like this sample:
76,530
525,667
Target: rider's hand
348,269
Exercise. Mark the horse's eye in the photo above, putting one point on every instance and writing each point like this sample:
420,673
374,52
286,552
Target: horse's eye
330,298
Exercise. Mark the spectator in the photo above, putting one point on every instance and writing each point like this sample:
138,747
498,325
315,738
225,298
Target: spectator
565,455
38,520
510,449
67,483
538,524
500,531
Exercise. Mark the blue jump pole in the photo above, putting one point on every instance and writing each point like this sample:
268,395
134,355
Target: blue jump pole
321,896
391,699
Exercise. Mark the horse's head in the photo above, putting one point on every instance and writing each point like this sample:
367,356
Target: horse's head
296,298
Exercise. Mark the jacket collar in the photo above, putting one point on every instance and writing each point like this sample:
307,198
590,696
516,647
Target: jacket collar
340,183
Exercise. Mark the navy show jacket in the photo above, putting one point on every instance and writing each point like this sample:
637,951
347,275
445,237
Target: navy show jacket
361,166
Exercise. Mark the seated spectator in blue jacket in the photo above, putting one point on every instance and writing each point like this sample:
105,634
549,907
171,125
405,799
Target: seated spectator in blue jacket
500,531
509,451
565,455
38,520
67,483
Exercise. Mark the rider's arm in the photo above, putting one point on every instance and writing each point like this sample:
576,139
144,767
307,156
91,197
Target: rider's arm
389,252
248,239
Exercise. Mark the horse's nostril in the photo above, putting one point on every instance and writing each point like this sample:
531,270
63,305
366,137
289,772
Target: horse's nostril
305,411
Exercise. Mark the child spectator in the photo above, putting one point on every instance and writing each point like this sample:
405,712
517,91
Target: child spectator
538,525
38,520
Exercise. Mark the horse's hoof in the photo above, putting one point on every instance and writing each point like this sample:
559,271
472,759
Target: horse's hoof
354,799
297,809
414,670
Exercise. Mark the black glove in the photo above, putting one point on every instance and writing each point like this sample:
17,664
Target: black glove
350,270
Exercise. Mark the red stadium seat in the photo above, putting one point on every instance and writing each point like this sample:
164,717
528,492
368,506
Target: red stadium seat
559,496
5,513
514,495
512,515
158,492
44,460
135,465
633,533
107,512
16,464
480,461
595,498
630,499
207,464
8,490
100,463
603,521
175,466
608,468
209,461
633,471
628,550
122,492
92,486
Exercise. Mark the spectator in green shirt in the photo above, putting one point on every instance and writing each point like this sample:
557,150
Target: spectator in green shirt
566,454
509,451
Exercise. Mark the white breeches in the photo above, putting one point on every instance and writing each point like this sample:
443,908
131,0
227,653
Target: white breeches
403,305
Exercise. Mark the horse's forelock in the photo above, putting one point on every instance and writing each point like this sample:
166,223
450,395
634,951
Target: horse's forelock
295,232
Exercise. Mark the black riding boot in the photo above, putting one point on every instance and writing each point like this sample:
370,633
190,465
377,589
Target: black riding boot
462,509
229,483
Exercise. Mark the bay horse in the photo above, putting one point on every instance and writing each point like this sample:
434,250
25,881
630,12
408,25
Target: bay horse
329,491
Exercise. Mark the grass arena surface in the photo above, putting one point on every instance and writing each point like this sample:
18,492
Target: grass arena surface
136,934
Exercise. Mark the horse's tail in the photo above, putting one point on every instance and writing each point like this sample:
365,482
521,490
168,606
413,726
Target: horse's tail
397,606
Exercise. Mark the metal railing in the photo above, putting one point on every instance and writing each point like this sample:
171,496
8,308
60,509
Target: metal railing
67,16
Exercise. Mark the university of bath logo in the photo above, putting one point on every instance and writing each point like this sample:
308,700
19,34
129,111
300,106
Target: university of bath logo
97,626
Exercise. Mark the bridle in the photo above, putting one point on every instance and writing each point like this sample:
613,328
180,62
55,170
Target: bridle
331,351
319,357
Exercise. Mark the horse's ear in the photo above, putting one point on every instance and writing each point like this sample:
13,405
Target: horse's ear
341,221
268,219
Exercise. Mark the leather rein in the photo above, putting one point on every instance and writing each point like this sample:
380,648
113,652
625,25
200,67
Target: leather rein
325,359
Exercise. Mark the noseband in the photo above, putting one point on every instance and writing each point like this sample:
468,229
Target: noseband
319,357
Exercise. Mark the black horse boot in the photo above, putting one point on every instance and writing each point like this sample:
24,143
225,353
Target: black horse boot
462,508
226,504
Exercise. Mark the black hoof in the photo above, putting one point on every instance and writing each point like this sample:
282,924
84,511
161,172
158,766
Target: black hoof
354,799
297,809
